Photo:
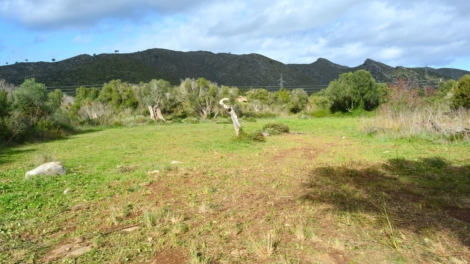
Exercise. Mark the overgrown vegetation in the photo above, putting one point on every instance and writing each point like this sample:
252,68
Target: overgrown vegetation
441,116
29,113
389,189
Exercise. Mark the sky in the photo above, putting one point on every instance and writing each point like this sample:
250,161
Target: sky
410,33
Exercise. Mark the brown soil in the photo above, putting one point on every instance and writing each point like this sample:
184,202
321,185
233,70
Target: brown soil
171,256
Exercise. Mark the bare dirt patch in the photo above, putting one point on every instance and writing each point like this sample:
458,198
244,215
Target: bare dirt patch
171,256
462,214
74,248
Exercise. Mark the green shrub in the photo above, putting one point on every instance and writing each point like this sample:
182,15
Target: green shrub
4,103
249,137
257,136
461,93
276,128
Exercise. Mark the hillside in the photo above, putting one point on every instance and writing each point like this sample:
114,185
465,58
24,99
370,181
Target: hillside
248,70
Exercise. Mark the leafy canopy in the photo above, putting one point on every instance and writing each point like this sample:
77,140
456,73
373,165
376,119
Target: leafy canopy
355,90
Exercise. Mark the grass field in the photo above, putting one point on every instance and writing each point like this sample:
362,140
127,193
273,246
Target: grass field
189,193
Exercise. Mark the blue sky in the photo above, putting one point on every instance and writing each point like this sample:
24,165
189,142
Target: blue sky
407,33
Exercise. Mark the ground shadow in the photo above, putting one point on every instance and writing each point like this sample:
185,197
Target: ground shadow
8,155
430,193
10,150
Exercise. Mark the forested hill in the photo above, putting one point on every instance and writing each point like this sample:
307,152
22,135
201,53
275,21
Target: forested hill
250,70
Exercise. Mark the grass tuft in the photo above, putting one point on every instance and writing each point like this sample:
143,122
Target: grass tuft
276,128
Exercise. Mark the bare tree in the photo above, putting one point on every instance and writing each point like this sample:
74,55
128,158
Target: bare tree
232,114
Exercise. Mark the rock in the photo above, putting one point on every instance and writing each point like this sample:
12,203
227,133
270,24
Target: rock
50,168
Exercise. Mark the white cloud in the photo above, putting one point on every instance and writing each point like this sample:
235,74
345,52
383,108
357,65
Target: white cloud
78,14
396,32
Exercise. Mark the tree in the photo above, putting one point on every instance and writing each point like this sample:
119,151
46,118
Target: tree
157,96
31,99
54,100
356,90
119,94
260,94
199,96
5,90
282,96
298,100
460,93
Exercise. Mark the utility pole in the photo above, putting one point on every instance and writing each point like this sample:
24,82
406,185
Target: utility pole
281,82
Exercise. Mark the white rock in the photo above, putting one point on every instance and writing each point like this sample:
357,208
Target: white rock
50,168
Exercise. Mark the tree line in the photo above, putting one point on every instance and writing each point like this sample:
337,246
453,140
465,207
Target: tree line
29,112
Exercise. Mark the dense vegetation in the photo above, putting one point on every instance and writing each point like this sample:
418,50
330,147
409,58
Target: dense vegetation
29,112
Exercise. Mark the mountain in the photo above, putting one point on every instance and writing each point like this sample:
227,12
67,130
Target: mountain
243,71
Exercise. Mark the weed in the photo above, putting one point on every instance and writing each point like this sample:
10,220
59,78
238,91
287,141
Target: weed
149,218
268,246
392,234
198,257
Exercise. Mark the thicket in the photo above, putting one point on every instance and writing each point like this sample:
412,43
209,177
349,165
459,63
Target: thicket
424,113
29,112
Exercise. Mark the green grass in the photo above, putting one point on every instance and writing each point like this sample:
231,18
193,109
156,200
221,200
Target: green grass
327,192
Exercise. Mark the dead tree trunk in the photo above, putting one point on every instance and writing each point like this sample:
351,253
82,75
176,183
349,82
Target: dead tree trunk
232,113
155,112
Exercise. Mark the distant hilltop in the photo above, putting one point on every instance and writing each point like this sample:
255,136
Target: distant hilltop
248,70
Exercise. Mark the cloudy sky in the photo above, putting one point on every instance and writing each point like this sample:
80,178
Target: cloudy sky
410,33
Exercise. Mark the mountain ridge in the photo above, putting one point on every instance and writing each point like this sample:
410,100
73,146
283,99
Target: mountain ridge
244,70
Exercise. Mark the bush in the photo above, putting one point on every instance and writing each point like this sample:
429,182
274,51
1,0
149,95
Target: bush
249,137
461,93
355,90
275,128
31,99
17,126
319,113
4,103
